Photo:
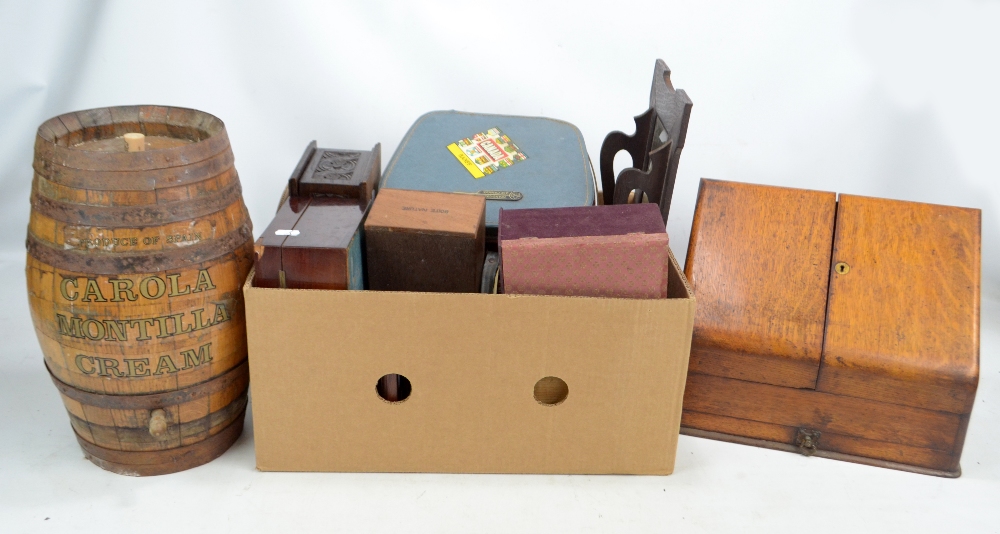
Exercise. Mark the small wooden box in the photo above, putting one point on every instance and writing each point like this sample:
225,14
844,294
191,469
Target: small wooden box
847,329
615,251
313,243
425,241
342,173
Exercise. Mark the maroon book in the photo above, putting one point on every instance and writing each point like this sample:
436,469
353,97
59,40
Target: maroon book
600,251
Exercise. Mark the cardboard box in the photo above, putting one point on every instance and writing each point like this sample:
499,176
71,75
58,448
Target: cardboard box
475,363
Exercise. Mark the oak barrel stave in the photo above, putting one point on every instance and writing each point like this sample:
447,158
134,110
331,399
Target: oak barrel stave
145,180
93,197
210,407
136,262
111,215
208,138
141,463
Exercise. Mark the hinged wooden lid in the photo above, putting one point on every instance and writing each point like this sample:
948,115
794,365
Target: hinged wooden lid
427,212
343,173
759,263
903,316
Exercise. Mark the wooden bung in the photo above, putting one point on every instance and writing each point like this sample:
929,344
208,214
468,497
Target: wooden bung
135,142
137,252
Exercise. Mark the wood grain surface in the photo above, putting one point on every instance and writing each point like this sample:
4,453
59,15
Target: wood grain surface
320,253
425,241
831,445
427,212
267,267
342,173
320,256
902,434
758,261
149,463
903,321
135,266
899,283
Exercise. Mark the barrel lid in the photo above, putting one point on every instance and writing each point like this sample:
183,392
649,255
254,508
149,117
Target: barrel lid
66,140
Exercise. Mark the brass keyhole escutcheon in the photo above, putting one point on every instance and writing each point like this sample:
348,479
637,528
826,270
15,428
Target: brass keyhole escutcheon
842,268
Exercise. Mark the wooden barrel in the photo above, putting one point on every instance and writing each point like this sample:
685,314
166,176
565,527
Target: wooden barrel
135,266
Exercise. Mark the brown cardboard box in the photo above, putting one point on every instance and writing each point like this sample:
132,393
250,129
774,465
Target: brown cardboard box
473,361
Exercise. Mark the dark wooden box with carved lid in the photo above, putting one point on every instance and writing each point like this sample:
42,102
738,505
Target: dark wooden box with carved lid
845,328
342,173
315,238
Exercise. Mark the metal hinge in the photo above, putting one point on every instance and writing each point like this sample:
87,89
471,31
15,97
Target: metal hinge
807,440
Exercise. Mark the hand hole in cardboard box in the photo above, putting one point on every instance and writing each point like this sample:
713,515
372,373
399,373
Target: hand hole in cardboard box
393,388
551,391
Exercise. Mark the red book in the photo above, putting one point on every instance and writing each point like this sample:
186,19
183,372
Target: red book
618,251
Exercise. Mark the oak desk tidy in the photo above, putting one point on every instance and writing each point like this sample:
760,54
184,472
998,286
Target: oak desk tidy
847,329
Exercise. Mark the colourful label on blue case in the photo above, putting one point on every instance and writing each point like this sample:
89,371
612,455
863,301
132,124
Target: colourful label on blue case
486,152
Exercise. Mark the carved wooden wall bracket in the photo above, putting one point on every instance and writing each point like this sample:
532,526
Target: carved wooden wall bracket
655,147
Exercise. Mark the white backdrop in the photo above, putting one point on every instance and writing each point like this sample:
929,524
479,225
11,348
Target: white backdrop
893,99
